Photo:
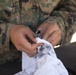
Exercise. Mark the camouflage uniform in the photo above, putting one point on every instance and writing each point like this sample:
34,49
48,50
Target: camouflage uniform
32,13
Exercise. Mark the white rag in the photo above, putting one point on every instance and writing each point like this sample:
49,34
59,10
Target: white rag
44,63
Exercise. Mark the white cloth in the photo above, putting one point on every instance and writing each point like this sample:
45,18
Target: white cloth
44,63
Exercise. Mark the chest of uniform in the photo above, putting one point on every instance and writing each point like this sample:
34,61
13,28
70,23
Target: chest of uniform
45,6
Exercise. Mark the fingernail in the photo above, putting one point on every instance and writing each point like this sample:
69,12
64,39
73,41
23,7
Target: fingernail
38,33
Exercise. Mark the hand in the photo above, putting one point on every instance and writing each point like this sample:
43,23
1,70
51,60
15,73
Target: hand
18,36
50,32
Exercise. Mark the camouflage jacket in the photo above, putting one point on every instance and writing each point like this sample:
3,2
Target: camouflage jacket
32,13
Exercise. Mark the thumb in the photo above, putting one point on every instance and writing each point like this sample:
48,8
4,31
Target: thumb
30,34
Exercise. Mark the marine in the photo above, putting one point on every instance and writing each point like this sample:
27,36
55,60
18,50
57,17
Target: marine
32,13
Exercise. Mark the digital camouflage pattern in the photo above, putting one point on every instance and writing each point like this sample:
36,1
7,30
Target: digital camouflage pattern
32,13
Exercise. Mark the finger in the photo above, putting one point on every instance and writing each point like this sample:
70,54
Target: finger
28,46
30,31
30,34
32,51
25,44
53,35
42,26
47,33
56,41
34,46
